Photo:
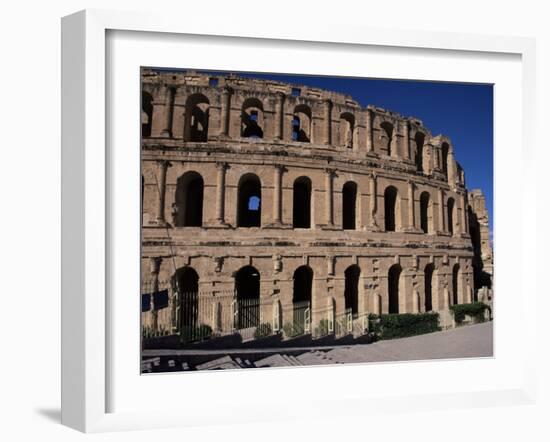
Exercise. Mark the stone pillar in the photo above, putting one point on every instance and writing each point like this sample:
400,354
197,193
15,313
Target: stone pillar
446,298
329,207
155,269
328,121
161,185
370,144
441,212
416,301
279,116
220,192
406,148
411,206
226,107
278,194
168,112
373,202
394,146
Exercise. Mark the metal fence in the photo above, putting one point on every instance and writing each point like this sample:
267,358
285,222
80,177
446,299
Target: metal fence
196,316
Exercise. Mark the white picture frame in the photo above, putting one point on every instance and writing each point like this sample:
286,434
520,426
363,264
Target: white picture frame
87,211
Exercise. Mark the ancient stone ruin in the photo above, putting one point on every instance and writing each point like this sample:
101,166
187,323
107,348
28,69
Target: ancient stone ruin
269,206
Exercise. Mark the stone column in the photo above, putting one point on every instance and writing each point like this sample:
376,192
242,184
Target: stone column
161,185
168,112
328,121
411,206
441,212
278,194
370,144
373,202
406,147
329,208
155,269
279,116
416,301
394,145
220,192
226,107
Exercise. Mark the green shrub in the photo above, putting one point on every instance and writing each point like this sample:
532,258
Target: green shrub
292,329
197,333
475,310
391,326
263,330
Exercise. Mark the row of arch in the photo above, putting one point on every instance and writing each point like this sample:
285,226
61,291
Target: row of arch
197,115
248,285
196,121
188,206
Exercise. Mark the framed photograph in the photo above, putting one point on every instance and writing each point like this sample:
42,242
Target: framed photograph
290,212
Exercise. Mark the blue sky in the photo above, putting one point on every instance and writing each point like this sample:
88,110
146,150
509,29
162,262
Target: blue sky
462,111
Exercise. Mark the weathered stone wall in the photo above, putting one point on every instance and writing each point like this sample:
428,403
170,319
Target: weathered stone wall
339,142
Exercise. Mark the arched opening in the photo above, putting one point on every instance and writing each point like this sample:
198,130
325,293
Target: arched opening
252,118
187,209
197,112
301,204
419,140
347,130
450,215
301,124
186,285
390,206
456,269
301,298
249,204
425,212
428,285
349,205
444,154
247,289
146,114
394,275
351,290
387,135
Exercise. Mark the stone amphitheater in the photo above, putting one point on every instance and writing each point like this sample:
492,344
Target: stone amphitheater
269,206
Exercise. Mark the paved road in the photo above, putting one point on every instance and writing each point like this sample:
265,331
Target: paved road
465,342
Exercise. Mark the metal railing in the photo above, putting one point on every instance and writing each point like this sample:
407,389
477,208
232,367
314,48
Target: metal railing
196,316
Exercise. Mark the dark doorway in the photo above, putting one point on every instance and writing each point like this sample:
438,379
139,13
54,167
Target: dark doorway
419,140
349,204
456,269
187,211
351,291
301,299
424,208
146,114
197,109
303,280
445,155
247,288
388,129
187,287
450,212
251,119
393,288
249,210
301,206
390,201
428,284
